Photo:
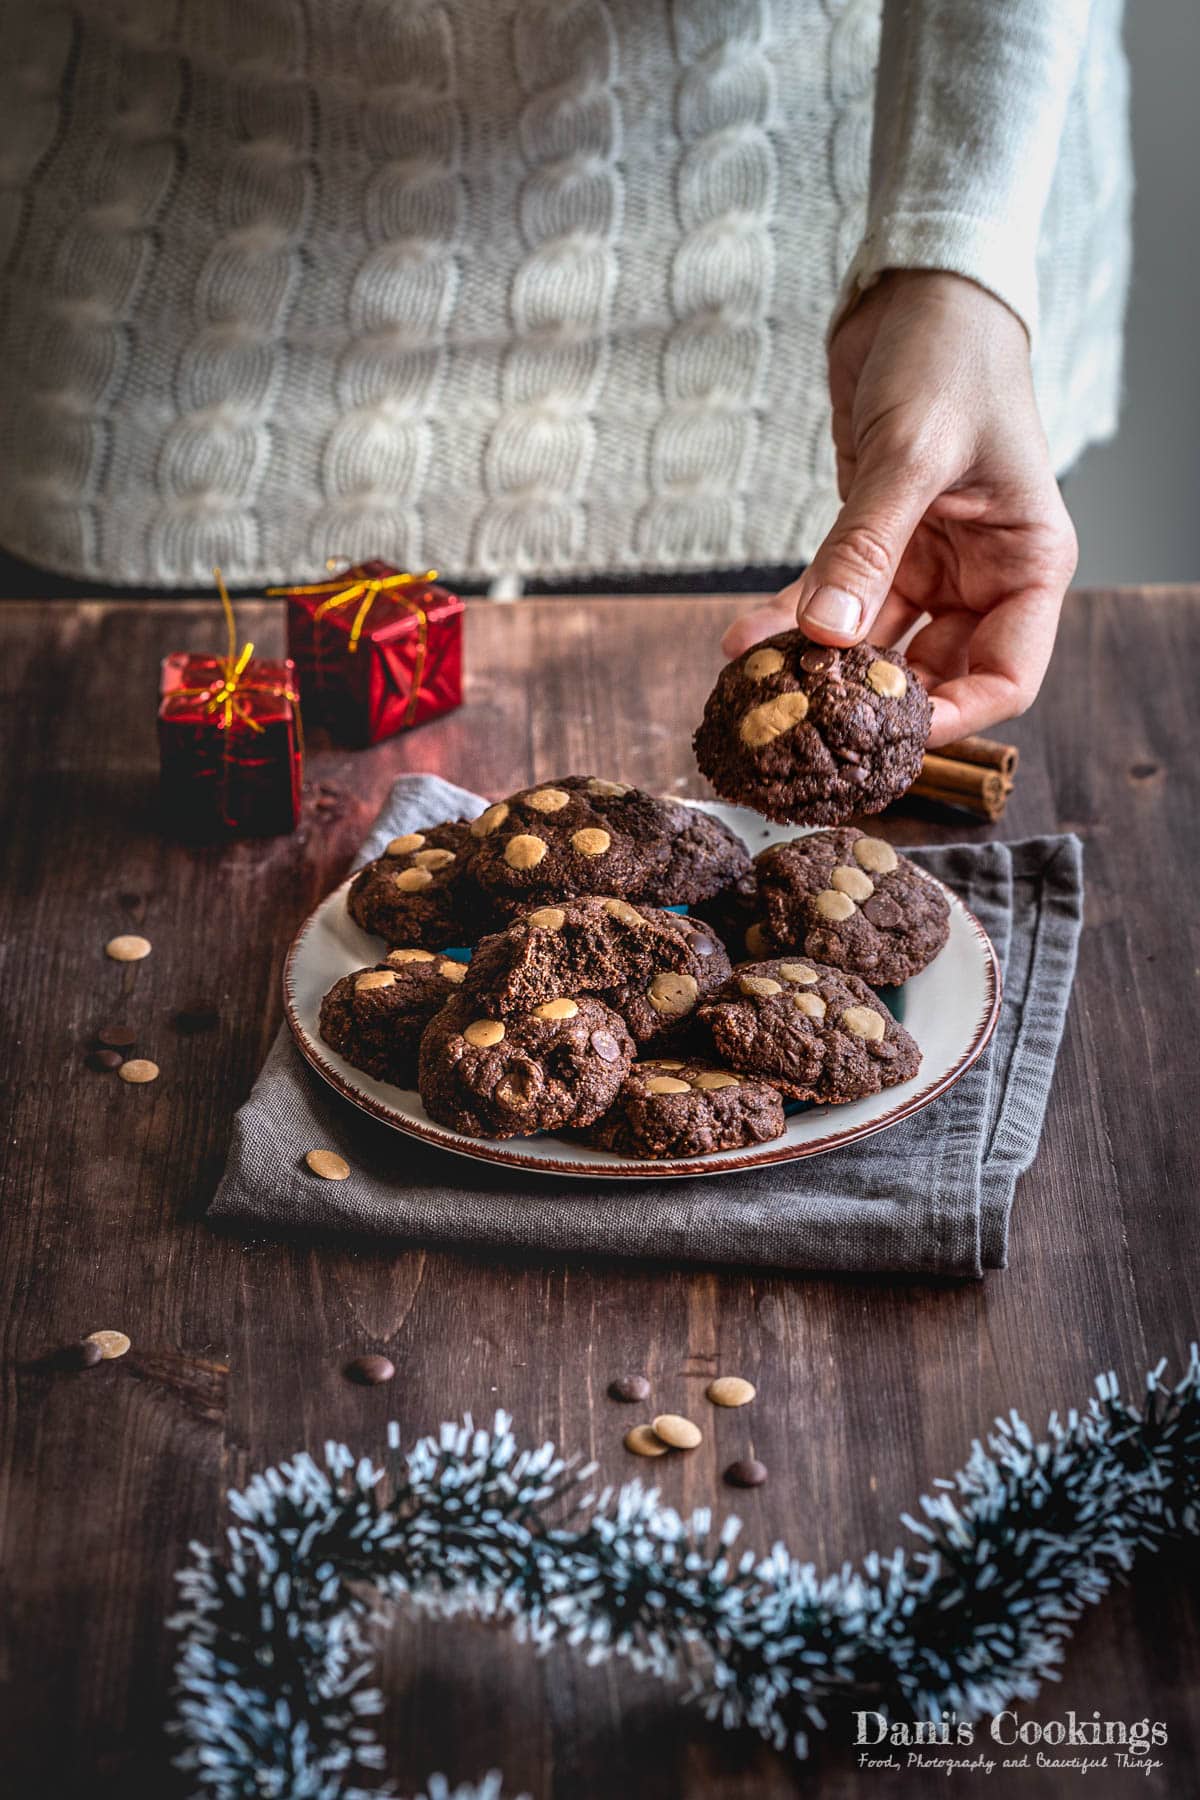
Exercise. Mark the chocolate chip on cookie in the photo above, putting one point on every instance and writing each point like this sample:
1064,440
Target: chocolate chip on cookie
814,1032
375,1017
852,901
417,892
687,1107
809,734
651,966
557,1064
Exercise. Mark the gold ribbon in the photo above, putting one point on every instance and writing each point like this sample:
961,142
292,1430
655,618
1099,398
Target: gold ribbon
366,589
229,695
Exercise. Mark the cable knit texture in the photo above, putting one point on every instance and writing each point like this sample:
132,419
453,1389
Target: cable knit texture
510,286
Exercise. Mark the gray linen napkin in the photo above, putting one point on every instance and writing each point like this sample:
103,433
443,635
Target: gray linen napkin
930,1196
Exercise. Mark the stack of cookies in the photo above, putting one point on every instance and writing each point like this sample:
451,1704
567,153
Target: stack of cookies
589,1009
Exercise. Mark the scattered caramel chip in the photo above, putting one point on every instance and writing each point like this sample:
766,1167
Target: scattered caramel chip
666,1084
328,1165
758,941
399,957
672,994
453,971
112,1343
433,859
556,1009
550,918
887,679
374,978
730,1390
677,1431
411,881
797,972
761,663
834,906
621,909
864,1022
763,724
524,851
613,788
875,854
483,1033
810,1004
855,882
642,1442
489,820
760,985
403,846
591,841
138,1069
716,1078
127,948
548,800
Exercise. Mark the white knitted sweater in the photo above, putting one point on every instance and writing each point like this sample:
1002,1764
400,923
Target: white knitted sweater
538,286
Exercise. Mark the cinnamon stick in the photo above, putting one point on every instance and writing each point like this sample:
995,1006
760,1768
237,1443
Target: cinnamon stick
985,752
968,785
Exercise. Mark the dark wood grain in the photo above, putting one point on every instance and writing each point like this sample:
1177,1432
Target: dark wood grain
868,1388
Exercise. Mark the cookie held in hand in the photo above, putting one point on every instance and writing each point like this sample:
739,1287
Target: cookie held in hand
560,1063
809,735
375,1017
850,900
670,1106
813,1032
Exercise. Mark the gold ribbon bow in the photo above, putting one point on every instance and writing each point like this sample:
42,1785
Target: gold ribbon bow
366,589
229,695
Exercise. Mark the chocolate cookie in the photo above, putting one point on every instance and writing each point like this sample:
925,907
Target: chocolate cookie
813,1032
735,914
375,1017
652,967
582,834
850,900
673,1107
560,1063
415,893
706,856
811,735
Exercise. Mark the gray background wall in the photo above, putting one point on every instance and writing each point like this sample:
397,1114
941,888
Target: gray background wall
1136,501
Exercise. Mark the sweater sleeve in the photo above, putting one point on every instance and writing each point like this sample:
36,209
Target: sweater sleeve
970,101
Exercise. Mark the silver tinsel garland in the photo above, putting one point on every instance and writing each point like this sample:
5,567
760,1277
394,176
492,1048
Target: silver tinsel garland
273,1676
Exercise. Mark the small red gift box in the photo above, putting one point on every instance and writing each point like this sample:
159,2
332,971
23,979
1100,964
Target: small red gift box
229,746
377,650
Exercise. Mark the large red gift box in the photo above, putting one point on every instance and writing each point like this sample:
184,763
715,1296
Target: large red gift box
377,650
229,746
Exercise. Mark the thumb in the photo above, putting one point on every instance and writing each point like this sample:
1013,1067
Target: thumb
852,573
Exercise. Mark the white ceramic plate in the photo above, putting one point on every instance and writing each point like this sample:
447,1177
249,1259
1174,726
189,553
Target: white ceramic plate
950,1008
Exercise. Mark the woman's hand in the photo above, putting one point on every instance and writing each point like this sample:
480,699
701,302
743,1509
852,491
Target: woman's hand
950,503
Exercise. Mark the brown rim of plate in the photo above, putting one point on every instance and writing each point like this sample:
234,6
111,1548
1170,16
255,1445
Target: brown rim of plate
503,1151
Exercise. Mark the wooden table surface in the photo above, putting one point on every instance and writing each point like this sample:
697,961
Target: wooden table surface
868,1388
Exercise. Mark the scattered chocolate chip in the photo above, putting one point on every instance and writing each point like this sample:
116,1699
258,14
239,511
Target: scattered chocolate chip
105,1060
630,1389
116,1037
370,1371
197,1015
746,1473
81,1356
608,1050
817,660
